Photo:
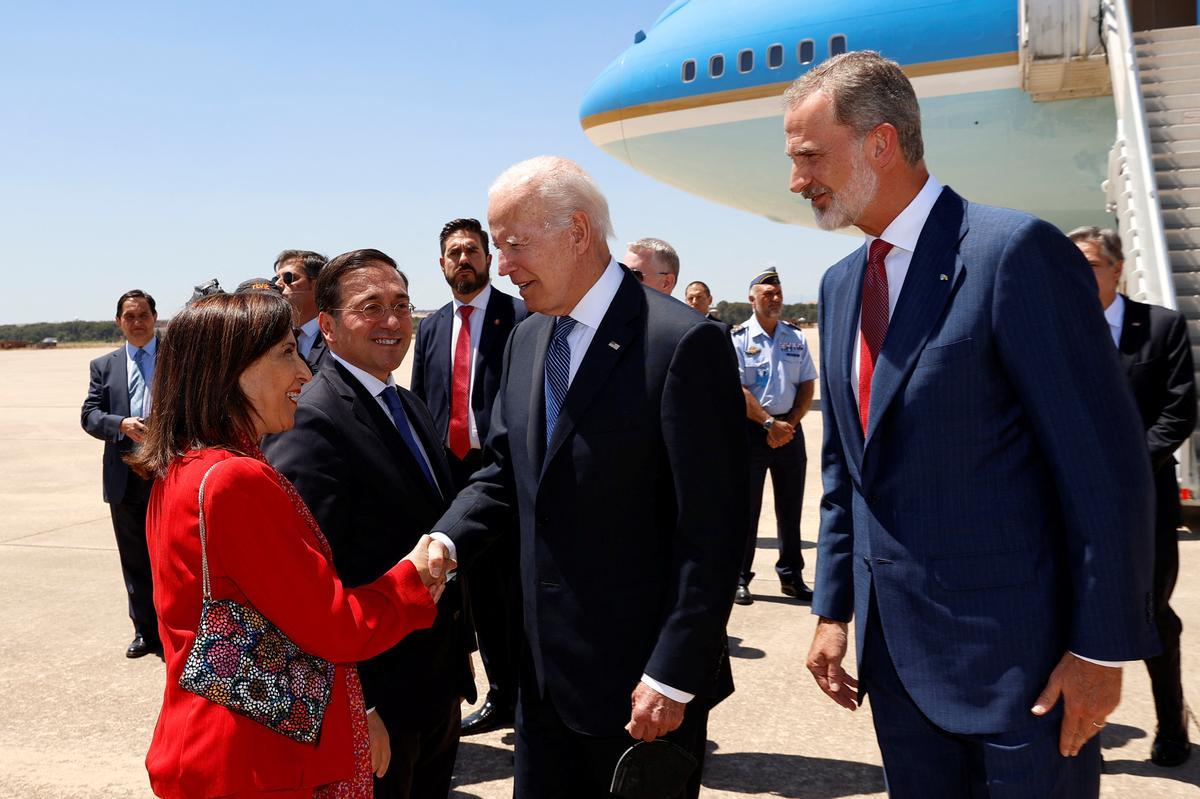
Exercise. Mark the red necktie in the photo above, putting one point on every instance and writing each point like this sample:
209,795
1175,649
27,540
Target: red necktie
460,392
874,324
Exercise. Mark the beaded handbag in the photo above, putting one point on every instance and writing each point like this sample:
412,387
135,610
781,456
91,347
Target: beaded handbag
242,661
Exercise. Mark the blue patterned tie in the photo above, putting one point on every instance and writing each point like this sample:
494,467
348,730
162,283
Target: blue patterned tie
558,372
391,398
137,385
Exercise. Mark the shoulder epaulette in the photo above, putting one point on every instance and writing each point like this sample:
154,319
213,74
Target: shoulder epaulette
736,329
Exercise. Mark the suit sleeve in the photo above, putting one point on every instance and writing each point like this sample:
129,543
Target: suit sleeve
1177,419
833,592
1053,342
95,417
702,410
310,455
487,506
418,367
256,540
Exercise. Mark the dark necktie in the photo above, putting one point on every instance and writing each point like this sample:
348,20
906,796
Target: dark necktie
874,324
391,398
460,394
558,372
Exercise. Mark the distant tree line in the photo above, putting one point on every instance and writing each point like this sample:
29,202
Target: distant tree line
77,330
735,313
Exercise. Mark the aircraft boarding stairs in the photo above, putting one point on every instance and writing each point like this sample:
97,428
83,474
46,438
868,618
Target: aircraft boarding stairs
1153,185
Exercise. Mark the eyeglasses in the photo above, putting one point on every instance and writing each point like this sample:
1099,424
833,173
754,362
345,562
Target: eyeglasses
374,311
641,276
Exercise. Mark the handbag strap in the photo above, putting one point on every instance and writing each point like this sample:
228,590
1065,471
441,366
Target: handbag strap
203,536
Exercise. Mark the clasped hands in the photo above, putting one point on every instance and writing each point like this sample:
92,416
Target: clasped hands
1088,690
433,563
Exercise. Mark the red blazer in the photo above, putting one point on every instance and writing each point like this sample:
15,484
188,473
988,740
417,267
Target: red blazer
260,551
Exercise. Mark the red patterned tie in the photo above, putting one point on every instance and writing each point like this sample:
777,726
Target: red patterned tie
874,324
460,392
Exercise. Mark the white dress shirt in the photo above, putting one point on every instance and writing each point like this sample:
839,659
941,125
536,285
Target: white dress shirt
1114,314
308,337
479,303
588,313
376,386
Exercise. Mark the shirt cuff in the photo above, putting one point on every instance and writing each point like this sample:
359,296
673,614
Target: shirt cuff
370,710
1112,664
668,691
445,539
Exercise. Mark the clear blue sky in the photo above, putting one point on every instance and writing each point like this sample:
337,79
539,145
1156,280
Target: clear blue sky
157,145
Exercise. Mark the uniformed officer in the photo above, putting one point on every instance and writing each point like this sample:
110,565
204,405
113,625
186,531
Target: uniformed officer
778,378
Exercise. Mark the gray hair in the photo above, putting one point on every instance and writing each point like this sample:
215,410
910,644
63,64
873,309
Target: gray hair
866,90
563,186
1107,239
665,252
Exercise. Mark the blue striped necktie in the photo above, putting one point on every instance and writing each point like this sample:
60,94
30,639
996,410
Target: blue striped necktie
391,398
137,384
558,372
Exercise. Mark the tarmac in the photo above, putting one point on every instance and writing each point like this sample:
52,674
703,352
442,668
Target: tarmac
76,716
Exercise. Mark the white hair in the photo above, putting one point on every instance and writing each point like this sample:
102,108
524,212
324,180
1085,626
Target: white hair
564,188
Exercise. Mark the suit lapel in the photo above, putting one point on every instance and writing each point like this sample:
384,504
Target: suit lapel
367,411
495,315
429,440
609,345
119,374
934,272
442,348
1135,332
536,437
842,351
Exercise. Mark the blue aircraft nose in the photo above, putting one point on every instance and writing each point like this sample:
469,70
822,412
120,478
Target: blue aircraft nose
603,95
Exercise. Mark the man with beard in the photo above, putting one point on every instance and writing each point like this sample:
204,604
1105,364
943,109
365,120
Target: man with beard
456,372
778,378
987,505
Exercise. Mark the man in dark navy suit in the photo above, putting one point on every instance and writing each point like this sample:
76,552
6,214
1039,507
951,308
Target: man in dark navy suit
365,458
118,400
987,506
612,399
456,372
1157,358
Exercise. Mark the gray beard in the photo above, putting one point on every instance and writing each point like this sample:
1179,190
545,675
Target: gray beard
847,206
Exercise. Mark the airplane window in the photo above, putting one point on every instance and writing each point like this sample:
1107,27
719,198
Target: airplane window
837,45
745,60
807,51
689,70
716,66
775,56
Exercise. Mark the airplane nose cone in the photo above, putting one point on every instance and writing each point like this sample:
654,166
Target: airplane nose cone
602,101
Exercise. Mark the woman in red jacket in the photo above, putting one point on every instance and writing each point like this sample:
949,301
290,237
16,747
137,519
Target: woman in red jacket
228,373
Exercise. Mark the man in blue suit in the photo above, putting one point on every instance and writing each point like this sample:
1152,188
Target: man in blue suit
987,506
456,372
118,400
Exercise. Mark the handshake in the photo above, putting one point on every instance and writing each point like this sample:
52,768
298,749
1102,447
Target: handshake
433,563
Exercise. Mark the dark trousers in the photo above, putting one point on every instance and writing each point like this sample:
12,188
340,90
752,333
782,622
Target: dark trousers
1165,670
422,759
494,596
786,465
129,525
554,761
923,761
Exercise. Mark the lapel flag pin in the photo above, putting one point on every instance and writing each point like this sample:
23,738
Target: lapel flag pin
496,322
943,277
614,345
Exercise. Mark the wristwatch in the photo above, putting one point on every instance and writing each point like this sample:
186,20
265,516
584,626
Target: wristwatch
768,423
